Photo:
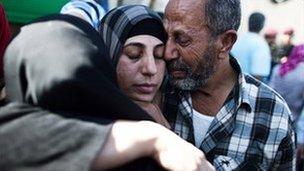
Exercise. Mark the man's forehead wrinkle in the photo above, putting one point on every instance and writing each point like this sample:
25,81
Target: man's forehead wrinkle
177,9
184,11
177,25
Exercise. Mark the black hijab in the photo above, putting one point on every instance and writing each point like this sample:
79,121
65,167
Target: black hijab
59,63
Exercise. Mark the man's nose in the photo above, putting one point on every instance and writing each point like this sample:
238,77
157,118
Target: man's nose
170,51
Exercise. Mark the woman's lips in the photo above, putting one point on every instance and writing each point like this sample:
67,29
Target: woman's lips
146,88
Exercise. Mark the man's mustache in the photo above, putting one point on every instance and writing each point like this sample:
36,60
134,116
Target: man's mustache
178,65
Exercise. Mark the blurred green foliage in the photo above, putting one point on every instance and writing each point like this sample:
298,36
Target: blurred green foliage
24,11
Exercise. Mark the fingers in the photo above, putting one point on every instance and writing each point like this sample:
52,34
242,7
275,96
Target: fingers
178,155
207,167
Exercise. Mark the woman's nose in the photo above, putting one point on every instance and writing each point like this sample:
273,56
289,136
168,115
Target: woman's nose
149,66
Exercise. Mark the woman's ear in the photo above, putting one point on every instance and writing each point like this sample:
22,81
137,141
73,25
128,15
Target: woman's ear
227,40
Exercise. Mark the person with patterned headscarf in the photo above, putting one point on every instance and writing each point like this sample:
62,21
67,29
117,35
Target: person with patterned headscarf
118,27
135,38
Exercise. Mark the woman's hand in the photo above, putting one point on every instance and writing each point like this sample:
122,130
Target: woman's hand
131,140
154,111
174,153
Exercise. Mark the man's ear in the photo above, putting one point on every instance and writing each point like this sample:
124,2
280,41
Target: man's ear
227,40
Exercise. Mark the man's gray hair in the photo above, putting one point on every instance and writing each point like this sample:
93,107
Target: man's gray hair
222,15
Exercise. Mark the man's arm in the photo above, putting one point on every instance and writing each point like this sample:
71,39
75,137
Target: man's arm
286,155
285,158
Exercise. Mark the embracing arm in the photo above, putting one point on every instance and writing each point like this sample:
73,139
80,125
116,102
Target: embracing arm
131,140
39,140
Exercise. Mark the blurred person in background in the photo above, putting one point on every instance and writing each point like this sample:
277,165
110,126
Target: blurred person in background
4,40
271,36
252,51
288,80
287,44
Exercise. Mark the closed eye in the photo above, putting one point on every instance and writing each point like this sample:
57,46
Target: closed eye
181,39
159,50
133,51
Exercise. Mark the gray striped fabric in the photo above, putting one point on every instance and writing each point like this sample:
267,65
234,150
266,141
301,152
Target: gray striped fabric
116,25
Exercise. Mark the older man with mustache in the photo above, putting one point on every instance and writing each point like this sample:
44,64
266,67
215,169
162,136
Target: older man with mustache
237,121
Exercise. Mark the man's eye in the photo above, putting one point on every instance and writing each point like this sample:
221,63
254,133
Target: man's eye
183,41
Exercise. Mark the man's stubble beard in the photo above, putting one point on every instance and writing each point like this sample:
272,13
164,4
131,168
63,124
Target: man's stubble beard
197,78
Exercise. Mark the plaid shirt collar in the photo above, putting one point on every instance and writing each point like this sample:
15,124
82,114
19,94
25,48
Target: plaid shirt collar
223,123
248,119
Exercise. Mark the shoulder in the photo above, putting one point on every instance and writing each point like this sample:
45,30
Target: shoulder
266,101
271,113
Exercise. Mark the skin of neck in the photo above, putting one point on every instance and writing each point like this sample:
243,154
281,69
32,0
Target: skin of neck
210,98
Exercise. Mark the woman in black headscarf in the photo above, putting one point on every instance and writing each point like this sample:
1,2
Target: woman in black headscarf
58,67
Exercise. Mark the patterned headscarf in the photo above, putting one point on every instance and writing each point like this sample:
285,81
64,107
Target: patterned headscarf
296,56
117,24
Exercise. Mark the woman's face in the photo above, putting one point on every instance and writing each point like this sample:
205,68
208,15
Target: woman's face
141,67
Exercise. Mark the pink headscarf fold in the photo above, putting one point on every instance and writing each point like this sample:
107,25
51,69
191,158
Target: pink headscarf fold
296,56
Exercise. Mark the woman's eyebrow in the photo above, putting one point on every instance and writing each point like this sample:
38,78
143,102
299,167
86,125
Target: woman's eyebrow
135,44
159,45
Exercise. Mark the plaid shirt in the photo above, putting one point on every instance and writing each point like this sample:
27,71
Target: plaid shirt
253,130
